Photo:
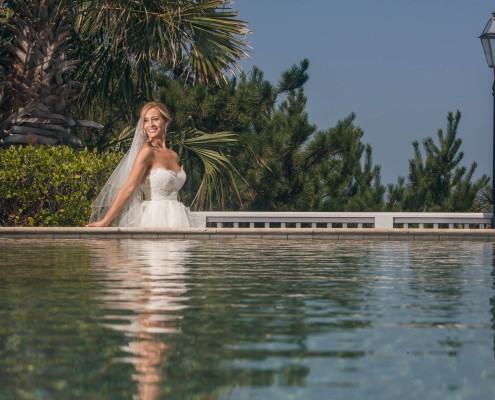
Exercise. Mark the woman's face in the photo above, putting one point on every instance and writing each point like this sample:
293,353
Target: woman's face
153,123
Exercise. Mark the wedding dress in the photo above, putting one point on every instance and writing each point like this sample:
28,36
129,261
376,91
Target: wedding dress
160,207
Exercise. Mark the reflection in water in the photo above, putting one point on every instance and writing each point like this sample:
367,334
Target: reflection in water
246,319
144,295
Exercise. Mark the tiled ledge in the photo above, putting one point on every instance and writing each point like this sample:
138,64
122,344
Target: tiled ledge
250,233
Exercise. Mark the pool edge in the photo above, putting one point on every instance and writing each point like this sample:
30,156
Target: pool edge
334,234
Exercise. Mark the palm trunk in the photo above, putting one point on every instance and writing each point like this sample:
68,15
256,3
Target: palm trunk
34,94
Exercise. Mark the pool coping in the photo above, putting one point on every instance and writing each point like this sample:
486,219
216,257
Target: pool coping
485,235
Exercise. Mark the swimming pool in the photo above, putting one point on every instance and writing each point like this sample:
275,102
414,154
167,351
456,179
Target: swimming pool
246,319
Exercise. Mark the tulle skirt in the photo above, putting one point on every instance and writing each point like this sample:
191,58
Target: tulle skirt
168,214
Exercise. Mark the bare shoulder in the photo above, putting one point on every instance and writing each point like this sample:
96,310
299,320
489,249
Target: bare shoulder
146,150
173,154
145,155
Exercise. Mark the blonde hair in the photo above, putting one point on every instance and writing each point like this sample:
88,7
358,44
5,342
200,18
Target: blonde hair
162,108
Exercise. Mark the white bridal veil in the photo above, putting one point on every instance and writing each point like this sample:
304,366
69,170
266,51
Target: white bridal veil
130,213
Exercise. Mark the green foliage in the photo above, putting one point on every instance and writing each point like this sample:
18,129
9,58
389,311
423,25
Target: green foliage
242,107
247,145
284,163
121,44
209,149
268,135
437,182
51,186
5,14
347,184
273,165
484,199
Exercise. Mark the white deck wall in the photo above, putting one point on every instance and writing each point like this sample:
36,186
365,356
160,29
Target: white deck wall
377,220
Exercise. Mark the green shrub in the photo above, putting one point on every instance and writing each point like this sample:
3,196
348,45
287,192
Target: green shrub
51,186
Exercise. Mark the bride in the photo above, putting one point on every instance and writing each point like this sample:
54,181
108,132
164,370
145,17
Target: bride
151,169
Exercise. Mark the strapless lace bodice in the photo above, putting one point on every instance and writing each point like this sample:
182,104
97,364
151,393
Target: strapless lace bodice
163,184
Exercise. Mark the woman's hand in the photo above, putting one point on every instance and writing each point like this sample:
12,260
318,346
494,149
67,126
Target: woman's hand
97,224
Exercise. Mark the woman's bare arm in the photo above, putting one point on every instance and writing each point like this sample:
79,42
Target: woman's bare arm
141,165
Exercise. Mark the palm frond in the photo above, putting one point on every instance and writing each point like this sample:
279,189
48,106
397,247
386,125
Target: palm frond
199,40
122,141
484,199
210,149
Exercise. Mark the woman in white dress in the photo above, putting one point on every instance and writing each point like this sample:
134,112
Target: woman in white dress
142,191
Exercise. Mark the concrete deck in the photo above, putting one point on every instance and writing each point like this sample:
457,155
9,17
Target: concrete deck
335,234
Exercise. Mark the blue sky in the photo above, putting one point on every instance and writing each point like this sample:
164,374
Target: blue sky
399,65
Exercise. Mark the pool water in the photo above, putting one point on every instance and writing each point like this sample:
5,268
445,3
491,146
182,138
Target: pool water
246,319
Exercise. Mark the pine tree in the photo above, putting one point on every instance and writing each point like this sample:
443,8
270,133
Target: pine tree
346,184
437,181
283,183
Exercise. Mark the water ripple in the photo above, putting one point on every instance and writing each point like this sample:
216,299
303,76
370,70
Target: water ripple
240,319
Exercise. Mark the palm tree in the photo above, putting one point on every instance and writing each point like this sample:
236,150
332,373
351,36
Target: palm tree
119,44
35,95
123,44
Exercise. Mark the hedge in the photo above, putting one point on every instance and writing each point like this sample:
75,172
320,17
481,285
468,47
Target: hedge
51,186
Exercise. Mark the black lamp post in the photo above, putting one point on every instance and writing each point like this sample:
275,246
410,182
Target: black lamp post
488,42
